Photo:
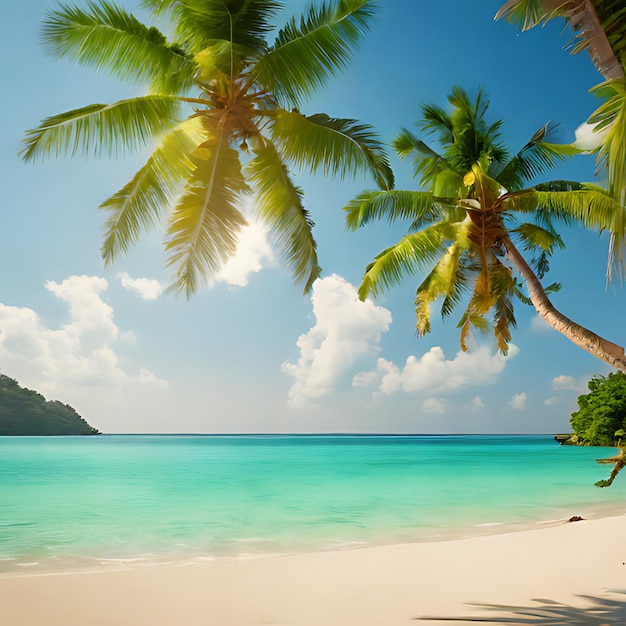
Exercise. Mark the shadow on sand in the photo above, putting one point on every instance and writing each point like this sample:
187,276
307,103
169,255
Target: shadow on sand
596,611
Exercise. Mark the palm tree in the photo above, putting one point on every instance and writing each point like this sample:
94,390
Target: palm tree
221,111
600,28
477,223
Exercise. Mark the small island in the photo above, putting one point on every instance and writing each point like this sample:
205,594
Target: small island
26,412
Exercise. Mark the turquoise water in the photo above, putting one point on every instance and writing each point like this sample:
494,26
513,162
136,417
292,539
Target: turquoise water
93,501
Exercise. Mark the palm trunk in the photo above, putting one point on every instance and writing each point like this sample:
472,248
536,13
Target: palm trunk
605,350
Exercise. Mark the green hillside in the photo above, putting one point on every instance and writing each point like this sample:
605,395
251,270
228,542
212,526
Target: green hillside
26,412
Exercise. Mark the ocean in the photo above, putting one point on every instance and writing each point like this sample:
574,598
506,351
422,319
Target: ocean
113,500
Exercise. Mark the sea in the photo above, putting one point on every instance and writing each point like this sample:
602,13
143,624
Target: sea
113,501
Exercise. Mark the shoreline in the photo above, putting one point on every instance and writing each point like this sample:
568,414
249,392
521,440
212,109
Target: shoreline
91,563
384,585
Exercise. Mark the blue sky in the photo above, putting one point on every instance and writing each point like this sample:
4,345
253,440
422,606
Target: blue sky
250,353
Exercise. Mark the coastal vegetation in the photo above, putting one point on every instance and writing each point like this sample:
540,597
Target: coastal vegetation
26,412
222,110
601,416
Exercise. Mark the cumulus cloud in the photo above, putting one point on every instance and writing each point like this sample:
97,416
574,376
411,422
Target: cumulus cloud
80,353
433,405
587,138
560,383
433,373
538,323
253,253
518,401
476,404
345,331
145,288
552,400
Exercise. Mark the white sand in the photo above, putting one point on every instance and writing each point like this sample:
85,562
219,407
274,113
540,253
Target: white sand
382,586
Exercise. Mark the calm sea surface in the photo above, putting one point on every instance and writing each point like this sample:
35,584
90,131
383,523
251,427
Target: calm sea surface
101,501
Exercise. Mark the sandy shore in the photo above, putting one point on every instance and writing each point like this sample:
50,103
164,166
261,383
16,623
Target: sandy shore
382,586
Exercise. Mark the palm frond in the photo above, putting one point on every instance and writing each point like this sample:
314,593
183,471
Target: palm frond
143,201
592,208
434,119
502,286
534,237
418,206
307,53
534,159
611,117
441,281
542,241
203,229
482,300
217,60
336,146
244,24
528,13
279,202
585,203
115,128
106,37
406,258
427,162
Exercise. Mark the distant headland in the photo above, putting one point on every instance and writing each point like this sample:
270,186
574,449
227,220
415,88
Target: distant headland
26,412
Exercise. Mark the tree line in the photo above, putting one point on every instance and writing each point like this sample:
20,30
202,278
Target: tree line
26,412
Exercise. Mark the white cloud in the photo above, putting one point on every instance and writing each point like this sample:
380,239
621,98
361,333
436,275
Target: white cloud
538,323
567,383
78,354
587,138
346,330
433,373
147,377
145,288
253,253
518,401
433,405
552,400
476,404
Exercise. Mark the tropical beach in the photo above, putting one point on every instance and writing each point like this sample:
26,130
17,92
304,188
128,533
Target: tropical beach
579,565
341,530
397,230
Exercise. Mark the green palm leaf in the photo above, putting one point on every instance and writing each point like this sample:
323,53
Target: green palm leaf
533,160
306,54
336,146
535,237
406,258
204,226
279,202
441,281
198,23
106,37
525,13
420,207
592,208
437,120
611,117
143,201
123,126
427,161
503,286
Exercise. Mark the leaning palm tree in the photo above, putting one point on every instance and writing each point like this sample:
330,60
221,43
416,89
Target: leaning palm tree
600,28
477,232
222,114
